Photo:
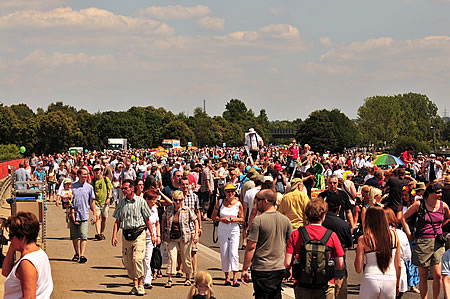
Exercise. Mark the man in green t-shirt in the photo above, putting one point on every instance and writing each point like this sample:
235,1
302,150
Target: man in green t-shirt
103,192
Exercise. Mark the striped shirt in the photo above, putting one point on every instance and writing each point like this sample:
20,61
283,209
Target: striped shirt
191,201
186,216
132,213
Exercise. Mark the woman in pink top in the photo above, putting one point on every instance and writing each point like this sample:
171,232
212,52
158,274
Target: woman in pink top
428,244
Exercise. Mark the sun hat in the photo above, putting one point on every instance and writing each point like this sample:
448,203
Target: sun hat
229,187
67,181
420,186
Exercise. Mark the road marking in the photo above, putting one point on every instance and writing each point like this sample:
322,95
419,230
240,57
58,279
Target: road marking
287,292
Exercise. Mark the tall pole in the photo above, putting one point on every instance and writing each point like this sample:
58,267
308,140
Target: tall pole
204,106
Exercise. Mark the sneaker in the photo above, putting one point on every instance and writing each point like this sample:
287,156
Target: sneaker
140,290
134,291
148,286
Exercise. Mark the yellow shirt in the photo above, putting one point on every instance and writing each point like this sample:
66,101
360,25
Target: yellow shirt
293,206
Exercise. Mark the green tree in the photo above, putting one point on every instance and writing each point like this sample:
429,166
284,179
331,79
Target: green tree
177,129
57,132
328,130
383,119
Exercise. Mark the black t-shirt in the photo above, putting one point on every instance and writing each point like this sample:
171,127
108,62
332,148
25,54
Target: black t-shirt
395,185
344,233
373,182
340,198
446,196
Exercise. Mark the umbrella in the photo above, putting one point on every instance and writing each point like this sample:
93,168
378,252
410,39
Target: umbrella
161,153
386,159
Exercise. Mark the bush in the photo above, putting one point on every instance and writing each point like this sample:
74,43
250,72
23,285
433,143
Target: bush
9,152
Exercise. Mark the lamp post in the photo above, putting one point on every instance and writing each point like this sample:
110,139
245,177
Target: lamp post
434,138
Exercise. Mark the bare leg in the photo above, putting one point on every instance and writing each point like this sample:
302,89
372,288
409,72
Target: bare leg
102,231
82,247
437,280
423,287
76,246
194,263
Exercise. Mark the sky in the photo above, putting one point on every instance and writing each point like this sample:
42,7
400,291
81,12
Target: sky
289,57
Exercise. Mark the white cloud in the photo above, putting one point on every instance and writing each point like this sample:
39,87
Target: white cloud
174,12
43,59
283,31
211,23
326,41
90,18
350,51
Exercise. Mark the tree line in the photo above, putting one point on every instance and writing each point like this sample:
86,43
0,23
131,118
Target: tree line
396,121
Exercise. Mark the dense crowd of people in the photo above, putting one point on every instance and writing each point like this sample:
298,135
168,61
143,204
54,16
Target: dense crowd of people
291,207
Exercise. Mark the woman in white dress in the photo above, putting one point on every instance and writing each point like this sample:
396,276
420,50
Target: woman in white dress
229,213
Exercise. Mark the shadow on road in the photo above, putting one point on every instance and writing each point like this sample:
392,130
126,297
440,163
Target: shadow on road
108,268
101,292
61,260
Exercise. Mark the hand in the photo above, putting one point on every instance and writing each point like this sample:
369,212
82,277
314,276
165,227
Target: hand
245,277
114,241
196,238
153,239
108,201
200,232
225,220
158,240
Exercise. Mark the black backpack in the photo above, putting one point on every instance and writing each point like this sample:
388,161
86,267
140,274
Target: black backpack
312,268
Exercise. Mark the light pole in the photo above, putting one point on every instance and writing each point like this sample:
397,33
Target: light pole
434,138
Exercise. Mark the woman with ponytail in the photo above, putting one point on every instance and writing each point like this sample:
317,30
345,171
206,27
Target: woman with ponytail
378,248
202,288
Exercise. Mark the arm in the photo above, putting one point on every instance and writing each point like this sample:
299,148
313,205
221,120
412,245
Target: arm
251,217
350,218
446,214
339,263
93,209
412,210
402,220
8,263
27,274
114,240
165,200
150,229
397,262
158,233
196,231
240,217
359,258
199,220
249,252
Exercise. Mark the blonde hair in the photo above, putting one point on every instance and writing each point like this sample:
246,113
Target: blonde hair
202,279
372,193
178,194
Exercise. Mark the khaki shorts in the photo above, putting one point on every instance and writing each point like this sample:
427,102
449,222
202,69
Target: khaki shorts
101,210
427,252
78,231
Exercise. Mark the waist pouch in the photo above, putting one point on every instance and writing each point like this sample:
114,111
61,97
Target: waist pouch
132,233
175,235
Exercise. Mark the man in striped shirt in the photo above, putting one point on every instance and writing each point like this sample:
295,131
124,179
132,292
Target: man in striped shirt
132,216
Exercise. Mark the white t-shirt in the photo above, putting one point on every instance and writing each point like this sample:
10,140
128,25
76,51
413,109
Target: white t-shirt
154,218
249,198
44,286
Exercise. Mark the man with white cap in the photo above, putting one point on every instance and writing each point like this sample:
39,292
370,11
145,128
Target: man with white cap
433,169
253,143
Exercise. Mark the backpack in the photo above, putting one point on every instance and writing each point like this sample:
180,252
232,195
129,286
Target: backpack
312,268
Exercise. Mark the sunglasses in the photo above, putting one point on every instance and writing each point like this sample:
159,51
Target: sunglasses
178,200
140,184
333,183
259,198
124,188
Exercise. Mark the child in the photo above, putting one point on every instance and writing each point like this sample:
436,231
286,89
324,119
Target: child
66,199
202,287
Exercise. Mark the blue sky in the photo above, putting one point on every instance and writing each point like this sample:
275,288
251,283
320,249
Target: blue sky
288,57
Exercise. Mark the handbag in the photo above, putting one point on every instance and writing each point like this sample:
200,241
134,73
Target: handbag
175,235
156,261
132,233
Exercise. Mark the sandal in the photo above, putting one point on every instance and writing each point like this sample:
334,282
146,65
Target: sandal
227,282
168,284
76,257
236,284
179,274
187,282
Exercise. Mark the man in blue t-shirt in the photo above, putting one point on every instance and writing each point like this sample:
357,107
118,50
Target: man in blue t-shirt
83,199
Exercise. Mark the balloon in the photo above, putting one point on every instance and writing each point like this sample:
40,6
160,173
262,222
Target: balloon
23,149
86,151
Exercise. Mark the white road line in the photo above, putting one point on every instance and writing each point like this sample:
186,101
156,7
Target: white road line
287,292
